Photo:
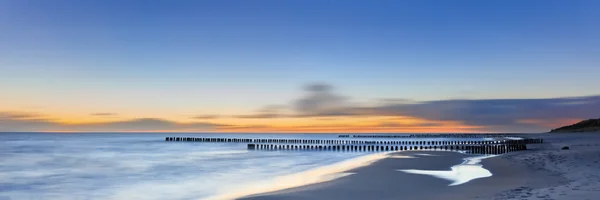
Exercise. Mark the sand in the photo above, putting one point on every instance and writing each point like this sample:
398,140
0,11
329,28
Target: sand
379,180
543,172
579,166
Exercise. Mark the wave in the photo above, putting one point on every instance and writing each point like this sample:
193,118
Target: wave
220,152
514,138
312,176
424,154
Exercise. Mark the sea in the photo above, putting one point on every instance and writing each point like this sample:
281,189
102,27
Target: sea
145,166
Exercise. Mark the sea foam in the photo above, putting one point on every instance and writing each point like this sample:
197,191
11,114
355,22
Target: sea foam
311,176
458,174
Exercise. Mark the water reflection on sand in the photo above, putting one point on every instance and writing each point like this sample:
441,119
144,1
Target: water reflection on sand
458,174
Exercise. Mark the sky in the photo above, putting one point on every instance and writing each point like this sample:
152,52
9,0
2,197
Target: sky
298,66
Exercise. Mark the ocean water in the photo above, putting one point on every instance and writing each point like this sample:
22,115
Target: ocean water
144,166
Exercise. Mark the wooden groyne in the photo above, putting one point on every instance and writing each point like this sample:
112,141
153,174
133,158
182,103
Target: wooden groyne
194,139
532,140
445,135
386,142
306,141
472,149
468,146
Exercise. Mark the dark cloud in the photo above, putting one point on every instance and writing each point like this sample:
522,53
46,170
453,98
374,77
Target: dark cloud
321,100
505,114
103,114
318,87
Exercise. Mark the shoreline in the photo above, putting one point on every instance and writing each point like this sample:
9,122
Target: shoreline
544,171
312,176
329,173
467,163
372,181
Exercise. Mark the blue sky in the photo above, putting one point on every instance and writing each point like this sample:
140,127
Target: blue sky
173,59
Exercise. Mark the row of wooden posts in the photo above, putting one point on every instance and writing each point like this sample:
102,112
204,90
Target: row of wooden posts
473,149
389,142
529,141
448,135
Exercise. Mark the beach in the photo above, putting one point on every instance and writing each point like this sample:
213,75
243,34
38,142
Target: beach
542,172
579,167
144,166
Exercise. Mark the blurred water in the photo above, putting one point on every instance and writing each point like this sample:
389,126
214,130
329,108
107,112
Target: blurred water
139,166
143,166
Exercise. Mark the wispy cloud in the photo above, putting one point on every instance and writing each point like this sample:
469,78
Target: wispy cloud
206,117
346,128
272,111
25,122
18,121
104,114
399,124
20,115
143,124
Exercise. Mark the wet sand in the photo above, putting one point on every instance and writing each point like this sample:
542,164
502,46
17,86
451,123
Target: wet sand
543,172
380,180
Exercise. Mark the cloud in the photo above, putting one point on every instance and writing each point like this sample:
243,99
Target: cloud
103,114
345,128
205,117
395,100
24,122
528,115
16,121
244,128
19,116
272,111
500,114
321,100
142,124
395,124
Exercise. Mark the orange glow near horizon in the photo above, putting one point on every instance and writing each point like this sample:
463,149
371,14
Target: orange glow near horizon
302,125
232,124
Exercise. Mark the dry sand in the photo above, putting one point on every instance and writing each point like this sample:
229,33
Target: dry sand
579,166
543,172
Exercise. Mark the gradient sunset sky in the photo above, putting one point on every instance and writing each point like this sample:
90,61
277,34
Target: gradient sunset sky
298,66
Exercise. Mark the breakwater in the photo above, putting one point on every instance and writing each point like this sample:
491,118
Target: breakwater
495,146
